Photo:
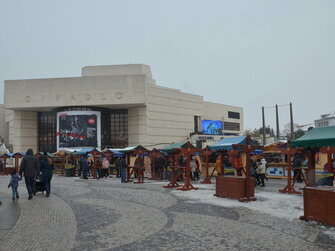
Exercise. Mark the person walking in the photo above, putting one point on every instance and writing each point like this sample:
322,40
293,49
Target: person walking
193,166
297,163
253,171
14,184
123,166
46,167
29,167
83,163
266,167
97,167
261,169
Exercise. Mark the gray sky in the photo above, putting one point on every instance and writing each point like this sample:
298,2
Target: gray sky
245,53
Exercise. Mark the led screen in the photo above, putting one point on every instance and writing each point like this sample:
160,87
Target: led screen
212,127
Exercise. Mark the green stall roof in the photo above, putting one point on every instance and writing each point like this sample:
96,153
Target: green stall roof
170,148
317,137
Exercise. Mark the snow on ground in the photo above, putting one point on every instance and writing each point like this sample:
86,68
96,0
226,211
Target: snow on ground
276,204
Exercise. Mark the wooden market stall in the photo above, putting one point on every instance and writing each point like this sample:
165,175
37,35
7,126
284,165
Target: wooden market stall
236,187
137,150
177,150
233,158
319,202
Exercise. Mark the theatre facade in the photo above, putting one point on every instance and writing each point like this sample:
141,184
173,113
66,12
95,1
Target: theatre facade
109,106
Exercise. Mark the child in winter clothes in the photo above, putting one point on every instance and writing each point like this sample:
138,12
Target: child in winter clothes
14,183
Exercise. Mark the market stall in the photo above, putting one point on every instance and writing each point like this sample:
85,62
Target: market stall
237,187
318,201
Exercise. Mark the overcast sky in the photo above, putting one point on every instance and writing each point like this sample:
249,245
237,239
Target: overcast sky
244,53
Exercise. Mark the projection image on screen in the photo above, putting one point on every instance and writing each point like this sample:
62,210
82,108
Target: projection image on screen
76,129
212,127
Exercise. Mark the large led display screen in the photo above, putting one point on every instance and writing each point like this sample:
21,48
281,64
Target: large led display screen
212,127
77,129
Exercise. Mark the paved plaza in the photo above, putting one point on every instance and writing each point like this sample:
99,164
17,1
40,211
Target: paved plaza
108,215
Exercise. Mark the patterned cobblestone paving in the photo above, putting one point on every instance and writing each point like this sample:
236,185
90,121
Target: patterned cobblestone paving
44,224
108,215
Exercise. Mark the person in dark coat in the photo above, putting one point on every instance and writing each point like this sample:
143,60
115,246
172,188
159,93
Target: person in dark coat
29,167
160,167
253,171
83,163
46,167
297,163
123,166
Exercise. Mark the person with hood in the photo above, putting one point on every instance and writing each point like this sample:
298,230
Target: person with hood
46,168
29,167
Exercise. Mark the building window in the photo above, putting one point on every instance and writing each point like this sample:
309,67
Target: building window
233,115
197,124
119,129
231,126
47,132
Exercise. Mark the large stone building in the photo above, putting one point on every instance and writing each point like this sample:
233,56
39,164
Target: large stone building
109,106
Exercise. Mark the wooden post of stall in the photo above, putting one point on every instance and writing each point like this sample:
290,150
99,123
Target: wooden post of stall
222,164
175,172
62,159
206,152
140,166
94,170
289,152
128,167
3,168
188,151
248,148
4,164
329,159
154,154
17,156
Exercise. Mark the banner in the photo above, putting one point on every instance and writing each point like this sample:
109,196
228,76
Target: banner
77,129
